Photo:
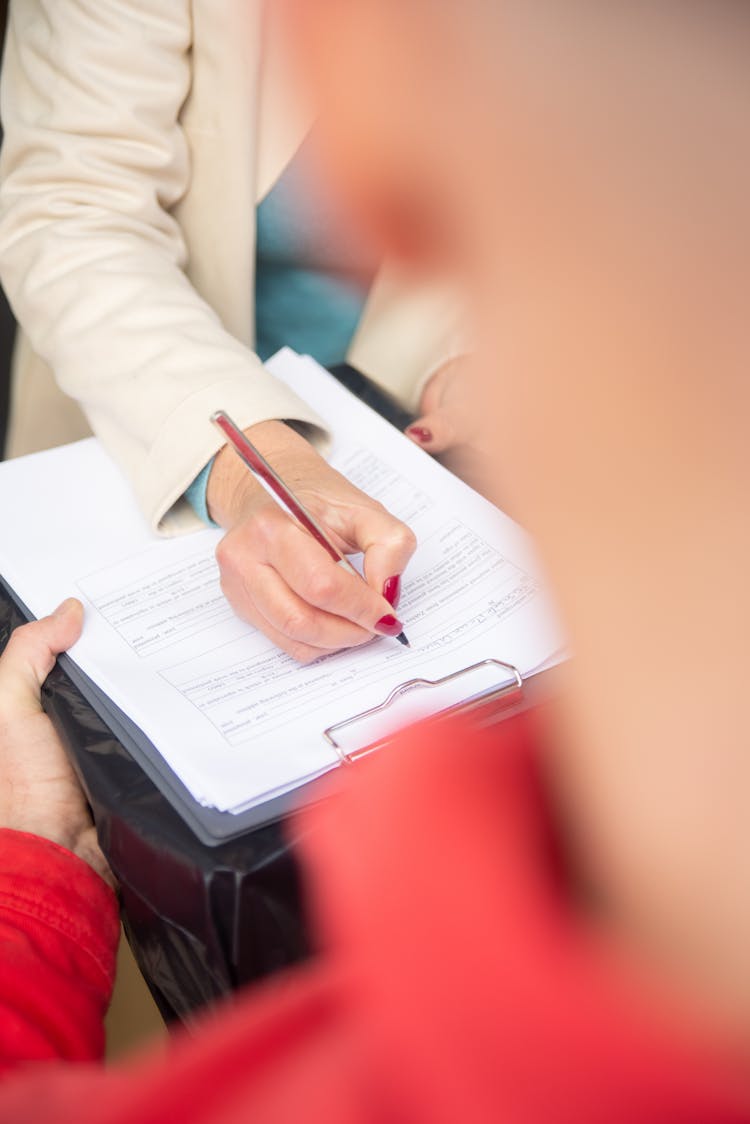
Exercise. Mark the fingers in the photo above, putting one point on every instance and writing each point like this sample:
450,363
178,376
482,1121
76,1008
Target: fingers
320,582
443,422
434,429
297,649
31,652
296,625
436,432
387,544
281,580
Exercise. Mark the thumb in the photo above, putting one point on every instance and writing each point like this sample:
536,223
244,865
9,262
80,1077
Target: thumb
31,652
435,432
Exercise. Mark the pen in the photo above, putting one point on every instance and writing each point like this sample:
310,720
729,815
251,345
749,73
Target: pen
283,494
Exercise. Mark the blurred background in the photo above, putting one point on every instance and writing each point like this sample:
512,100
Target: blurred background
7,331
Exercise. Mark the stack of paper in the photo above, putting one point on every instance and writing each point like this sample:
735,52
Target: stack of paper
234,718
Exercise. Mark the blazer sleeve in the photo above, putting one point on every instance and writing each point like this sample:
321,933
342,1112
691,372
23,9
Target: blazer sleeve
93,161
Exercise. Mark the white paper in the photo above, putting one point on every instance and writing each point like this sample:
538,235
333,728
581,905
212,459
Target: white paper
237,720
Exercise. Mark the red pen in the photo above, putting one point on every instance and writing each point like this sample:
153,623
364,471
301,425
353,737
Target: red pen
283,494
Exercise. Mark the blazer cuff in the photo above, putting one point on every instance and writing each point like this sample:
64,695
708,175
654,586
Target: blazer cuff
187,442
196,495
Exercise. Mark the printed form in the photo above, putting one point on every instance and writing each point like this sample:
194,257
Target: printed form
237,720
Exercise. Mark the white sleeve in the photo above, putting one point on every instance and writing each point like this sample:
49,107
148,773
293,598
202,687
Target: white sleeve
93,160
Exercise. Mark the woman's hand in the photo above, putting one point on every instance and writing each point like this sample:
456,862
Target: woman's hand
452,431
445,422
39,792
277,577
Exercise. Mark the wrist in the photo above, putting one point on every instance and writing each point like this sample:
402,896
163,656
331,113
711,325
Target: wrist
86,848
232,490
79,838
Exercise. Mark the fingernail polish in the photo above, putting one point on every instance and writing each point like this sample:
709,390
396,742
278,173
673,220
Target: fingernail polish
392,590
424,436
388,626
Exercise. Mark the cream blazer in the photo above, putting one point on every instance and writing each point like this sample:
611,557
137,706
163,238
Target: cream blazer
137,135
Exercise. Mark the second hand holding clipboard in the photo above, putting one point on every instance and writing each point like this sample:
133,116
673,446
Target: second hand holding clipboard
283,494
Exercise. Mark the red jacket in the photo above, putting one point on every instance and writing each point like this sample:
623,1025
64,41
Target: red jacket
455,983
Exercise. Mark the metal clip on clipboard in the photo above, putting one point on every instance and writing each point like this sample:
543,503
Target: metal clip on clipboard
491,702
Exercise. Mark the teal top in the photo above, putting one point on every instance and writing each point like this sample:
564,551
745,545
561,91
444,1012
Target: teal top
311,281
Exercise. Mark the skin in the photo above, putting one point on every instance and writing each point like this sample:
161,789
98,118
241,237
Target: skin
583,170
276,576
40,793
612,282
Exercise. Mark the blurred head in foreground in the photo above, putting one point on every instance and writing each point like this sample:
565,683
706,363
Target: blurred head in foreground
584,169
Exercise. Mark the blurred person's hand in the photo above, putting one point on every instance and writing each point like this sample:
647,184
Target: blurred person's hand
277,577
451,428
39,792
445,420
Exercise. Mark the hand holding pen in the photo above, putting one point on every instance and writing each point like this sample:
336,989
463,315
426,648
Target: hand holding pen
283,578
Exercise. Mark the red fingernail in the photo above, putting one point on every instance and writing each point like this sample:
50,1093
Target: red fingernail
392,590
423,435
389,626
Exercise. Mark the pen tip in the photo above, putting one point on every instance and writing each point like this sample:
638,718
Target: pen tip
402,640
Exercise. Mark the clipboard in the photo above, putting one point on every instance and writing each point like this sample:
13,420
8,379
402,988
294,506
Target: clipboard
213,828
492,703
490,691
487,704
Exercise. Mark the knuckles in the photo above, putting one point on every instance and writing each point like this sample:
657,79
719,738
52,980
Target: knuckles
234,555
324,584
20,644
296,623
270,537
251,541
267,525
226,557
406,540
